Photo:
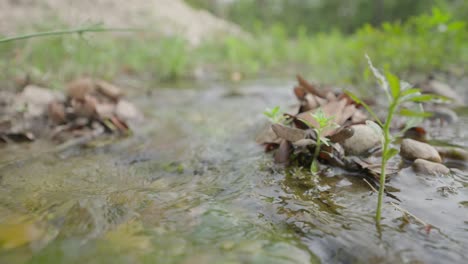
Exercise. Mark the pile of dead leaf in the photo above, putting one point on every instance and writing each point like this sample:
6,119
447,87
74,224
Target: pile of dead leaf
354,142
89,108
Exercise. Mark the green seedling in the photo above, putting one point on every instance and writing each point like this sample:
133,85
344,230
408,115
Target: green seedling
274,115
324,123
398,94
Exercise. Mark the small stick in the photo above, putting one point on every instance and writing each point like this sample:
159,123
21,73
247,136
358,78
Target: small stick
410,214
64,32
370,185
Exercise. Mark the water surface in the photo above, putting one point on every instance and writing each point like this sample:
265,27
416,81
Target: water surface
192,186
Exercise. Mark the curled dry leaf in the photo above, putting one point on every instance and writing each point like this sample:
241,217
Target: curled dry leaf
300,93
56,112
309,87
267,135
282,154
341,134
288,133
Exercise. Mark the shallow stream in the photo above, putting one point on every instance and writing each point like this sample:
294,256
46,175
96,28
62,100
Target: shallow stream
192,186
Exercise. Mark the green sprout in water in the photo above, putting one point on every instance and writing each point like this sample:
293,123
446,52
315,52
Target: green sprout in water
323,124
397,93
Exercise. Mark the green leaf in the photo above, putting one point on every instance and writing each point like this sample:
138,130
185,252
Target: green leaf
411,91
381,79
274,114
367,107
394,84
390,153
412,113
423,98
325,141
406,95
375,127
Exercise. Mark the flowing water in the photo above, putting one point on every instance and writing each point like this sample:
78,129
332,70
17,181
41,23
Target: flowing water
192,186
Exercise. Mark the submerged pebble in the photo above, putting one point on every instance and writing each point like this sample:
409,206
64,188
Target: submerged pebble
412,150
425,167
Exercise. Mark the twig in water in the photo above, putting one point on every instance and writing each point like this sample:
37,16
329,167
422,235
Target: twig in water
427,226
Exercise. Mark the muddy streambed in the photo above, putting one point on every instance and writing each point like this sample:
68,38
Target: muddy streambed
192,186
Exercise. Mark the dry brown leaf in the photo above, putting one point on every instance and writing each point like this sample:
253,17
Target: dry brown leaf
299,92
282,154
288,133
309,87
79,88
56,112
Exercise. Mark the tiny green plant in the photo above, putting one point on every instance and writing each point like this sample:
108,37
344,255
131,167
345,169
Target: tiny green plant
324,123
398,94
274,115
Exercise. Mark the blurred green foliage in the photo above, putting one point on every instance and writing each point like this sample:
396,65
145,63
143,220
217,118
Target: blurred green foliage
434,41
318,15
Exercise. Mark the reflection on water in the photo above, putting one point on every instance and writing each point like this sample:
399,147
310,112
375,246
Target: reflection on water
193,187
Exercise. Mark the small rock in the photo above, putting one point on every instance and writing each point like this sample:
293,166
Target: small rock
453,153
79,88
109,90
34,100
362,141
412,149
37,95
421,166
127,112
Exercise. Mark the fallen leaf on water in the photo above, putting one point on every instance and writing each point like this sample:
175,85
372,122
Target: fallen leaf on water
19,230
128,237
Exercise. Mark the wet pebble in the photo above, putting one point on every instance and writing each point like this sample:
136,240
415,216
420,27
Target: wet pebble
453,153
362,141
412,150
424,167
127,112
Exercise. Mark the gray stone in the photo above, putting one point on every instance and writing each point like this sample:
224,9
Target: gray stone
412,150
424,167
127,112
363,140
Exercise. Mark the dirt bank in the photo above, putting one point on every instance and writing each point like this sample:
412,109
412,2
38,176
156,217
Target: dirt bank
166,16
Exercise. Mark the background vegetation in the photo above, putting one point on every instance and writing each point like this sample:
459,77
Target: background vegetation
316,38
